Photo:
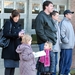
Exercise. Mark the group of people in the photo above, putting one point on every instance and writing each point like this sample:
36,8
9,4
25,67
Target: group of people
60,33
53,36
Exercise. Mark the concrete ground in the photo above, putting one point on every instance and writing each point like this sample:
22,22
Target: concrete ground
35,48
73,59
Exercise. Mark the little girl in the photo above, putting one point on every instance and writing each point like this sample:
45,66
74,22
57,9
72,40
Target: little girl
27,61
46,63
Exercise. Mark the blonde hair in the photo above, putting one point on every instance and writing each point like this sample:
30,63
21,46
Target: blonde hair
49,43
26,38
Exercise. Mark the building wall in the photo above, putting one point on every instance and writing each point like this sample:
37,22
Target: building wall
72,8
28,16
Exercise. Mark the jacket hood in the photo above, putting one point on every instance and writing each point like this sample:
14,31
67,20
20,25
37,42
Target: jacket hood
21,48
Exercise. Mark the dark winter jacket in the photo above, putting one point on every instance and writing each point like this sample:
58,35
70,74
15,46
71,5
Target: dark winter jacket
45,28
10,51
40,66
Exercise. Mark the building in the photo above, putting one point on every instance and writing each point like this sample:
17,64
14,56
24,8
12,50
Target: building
29,10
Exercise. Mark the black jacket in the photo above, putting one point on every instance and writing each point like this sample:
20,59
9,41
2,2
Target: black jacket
45,28
10,51
41,68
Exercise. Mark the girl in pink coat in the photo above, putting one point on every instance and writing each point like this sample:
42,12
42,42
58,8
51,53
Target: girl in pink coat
27,61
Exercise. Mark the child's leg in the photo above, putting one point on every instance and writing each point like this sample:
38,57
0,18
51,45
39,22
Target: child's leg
44,73
48,73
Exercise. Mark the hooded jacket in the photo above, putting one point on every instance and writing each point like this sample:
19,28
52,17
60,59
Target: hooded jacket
27,61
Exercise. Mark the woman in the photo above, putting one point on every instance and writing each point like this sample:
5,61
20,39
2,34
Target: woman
11,58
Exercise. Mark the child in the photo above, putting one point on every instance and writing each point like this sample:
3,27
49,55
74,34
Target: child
27,61
45,64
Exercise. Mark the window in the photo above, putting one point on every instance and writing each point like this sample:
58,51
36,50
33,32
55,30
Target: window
0,6
8,6
34,39
21,21
33,23
61,9
55,7
35,8
20,6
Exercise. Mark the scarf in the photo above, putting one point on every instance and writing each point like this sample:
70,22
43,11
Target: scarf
45,59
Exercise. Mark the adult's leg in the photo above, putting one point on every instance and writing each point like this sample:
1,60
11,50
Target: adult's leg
7,71
68,61
41,47
65,61
12,71
55,55
62,62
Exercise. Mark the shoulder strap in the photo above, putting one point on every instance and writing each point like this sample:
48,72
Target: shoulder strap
10,26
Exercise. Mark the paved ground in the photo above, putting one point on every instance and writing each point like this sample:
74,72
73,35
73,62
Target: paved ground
35,48
73,59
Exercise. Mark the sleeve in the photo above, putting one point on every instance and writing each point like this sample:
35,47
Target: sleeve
7,33
27,55
52,61
63,31
40,28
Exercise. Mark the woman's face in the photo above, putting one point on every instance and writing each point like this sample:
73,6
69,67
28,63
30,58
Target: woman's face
15,19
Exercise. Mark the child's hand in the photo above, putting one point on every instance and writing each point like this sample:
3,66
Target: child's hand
33,53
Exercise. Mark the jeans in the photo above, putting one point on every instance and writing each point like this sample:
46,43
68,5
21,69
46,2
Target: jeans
65,61
41,47
56,57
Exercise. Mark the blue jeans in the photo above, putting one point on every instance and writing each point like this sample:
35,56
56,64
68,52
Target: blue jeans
65,61
56,60
41,47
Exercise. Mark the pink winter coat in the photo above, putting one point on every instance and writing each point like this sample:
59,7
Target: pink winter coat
27,61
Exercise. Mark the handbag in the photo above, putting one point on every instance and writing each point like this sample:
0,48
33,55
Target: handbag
4,42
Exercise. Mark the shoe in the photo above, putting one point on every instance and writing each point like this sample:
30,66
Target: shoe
69,74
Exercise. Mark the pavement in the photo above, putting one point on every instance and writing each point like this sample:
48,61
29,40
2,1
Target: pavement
35,48
73,59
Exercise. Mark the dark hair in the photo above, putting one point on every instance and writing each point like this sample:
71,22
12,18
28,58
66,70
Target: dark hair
53,13
46,3
15,13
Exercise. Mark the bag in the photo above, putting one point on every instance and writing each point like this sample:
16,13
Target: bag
4,42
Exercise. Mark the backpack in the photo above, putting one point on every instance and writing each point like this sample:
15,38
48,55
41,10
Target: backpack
4,42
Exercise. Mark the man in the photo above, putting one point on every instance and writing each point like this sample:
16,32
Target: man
44,26
56,47
67,38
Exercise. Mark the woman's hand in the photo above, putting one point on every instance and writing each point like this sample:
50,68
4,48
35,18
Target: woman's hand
21,33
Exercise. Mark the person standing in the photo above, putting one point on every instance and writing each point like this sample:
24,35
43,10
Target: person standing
44,26
56,47
46,63
9,54
67,45
27,60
